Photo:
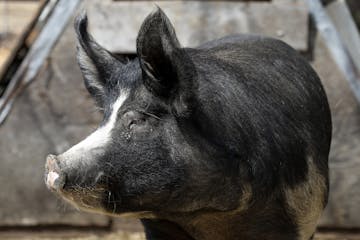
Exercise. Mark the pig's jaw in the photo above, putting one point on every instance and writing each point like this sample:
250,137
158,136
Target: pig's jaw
95,205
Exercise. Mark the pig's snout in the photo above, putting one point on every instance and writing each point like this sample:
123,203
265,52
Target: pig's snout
54,177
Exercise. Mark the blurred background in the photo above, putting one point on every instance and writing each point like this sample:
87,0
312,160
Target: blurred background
44,107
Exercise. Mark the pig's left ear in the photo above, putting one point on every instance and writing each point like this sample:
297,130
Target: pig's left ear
96,63
167,69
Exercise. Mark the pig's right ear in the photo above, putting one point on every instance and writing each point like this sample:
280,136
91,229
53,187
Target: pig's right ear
96,63
166,68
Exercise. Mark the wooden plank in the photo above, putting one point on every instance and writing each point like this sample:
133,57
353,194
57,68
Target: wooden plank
53,113
286,20
115,24
328,30
15,18
341,82
206,0
47,234
340,15
334,235
37,54
343,209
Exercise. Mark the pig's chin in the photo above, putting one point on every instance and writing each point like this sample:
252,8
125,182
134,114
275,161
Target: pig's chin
87,199
98,200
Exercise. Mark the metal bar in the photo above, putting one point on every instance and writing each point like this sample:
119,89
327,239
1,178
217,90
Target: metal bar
336,47
37,54
21,46
341,16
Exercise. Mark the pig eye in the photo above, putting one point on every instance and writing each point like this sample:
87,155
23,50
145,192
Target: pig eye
135,122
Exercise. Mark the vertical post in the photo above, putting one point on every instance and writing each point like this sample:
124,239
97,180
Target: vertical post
37,54
336,47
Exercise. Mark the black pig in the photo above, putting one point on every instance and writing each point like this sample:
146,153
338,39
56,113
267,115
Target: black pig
229,140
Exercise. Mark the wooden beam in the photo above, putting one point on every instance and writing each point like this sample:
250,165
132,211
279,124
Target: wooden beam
198,21
37,54
340,15
20,18
332,38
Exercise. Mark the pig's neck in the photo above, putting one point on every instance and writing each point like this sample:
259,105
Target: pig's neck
192,227
212,226
249,224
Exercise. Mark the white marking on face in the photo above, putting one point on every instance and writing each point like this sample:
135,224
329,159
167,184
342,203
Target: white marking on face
98,139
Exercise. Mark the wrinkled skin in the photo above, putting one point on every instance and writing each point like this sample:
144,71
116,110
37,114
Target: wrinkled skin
224,141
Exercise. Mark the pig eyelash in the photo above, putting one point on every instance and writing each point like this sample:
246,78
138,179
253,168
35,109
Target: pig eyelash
149,114
113,203
109,197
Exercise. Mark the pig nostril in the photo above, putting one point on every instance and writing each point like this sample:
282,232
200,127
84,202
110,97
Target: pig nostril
55,181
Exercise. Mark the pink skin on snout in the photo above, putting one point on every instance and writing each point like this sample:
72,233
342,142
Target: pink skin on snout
51,178
53,171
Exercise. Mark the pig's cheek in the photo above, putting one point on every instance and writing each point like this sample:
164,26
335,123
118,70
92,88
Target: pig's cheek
142,132
127,136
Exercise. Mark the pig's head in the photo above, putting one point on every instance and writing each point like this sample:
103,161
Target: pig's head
148,154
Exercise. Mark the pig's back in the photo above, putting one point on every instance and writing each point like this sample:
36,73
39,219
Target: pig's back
261,100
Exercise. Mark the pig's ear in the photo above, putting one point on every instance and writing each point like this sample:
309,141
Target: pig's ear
96,63
160,55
